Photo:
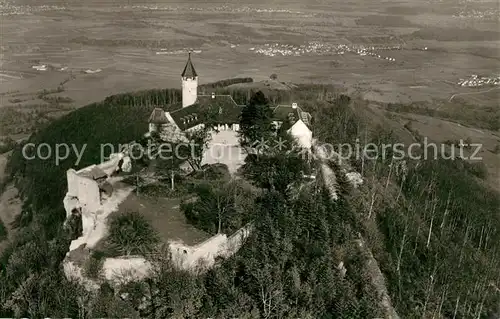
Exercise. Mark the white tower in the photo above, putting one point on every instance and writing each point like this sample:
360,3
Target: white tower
189,84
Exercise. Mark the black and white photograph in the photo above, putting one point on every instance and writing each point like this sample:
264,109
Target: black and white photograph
200,159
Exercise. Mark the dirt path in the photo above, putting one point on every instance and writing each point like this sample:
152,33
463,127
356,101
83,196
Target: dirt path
328,174
371,265
378,280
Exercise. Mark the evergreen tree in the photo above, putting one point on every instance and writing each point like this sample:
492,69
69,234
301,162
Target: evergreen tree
256,120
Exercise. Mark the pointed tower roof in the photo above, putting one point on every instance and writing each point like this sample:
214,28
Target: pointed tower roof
189,70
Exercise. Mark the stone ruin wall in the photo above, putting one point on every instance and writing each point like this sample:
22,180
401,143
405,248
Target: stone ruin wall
84,196
206,253
83,192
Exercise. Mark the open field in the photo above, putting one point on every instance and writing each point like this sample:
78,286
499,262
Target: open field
141,46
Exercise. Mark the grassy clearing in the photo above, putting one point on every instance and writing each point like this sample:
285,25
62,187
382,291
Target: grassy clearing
487,117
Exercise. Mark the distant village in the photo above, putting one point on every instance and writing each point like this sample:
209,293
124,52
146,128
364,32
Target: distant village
488,14
45,67
222,8
476,81
324,49
9,8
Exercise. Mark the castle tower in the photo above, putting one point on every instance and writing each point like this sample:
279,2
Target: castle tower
189,84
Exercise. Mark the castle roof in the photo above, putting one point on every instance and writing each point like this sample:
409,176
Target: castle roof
158,117
224,108
188,116
288,113
189,71
221,108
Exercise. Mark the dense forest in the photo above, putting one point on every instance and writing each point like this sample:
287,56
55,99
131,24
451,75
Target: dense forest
432,227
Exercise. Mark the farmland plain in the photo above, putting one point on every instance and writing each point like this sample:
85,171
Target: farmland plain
101,48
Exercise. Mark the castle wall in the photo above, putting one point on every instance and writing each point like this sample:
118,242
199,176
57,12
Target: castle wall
171,132
113,164
85,189
125,269
74,273
196,127
84,194
188,257
224,147
236,240
205,253
219,127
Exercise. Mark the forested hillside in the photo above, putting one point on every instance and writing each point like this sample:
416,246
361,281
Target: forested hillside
433,228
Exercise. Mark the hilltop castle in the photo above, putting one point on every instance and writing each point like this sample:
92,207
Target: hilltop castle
189,116
95,192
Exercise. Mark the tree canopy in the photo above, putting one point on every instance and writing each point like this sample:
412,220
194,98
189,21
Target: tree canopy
256,120
434,232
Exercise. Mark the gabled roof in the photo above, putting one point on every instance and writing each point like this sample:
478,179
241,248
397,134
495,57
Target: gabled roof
284,113
222,108
225,99
189,71
188,116
158,117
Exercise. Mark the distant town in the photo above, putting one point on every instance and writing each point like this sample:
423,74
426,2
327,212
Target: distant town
488,14
8,8
323,49
476,81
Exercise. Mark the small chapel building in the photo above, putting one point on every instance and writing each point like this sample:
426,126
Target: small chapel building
227,113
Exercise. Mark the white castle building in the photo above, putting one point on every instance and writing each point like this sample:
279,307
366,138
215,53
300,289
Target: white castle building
190,115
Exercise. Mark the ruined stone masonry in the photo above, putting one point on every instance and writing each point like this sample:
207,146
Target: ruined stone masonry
93,194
